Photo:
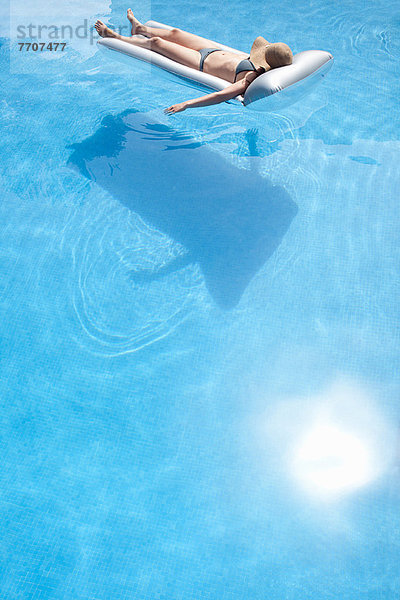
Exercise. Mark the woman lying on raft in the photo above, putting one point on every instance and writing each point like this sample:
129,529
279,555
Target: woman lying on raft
197,52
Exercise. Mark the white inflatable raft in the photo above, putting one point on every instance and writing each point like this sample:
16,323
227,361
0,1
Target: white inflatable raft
271,91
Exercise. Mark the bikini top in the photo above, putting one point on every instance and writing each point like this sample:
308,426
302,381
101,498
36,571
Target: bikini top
244,65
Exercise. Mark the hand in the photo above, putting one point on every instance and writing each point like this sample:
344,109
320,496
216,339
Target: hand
175,108
250,77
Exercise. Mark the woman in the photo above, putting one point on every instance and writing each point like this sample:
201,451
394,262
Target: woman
197,52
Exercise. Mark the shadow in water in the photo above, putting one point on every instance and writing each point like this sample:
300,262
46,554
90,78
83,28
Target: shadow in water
229,220
253,144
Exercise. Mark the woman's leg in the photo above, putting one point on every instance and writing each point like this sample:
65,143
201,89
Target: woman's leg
177,36
178,53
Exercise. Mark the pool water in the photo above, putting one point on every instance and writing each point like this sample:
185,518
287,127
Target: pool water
200,325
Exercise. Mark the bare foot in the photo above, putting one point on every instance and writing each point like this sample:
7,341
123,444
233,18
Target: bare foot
136,25
103,30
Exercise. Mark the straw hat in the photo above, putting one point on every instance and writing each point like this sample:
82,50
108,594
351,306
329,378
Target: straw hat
267,55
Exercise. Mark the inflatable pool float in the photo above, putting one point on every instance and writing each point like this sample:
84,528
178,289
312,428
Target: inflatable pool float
271,91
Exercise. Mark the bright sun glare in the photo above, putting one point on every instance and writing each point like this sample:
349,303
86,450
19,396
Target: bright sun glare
331,444
329,460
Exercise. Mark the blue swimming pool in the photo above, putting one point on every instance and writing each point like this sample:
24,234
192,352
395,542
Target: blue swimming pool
199,318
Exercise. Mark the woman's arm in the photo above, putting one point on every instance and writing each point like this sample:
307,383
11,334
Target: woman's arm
236,89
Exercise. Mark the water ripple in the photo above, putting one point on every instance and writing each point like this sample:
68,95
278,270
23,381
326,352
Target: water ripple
118,314
367,34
